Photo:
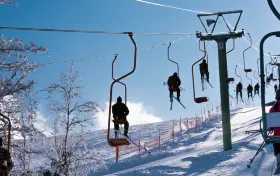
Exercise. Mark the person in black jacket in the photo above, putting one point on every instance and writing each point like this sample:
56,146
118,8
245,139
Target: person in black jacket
6,163
120,111
250,90
256,89
203,67
239,88
173,83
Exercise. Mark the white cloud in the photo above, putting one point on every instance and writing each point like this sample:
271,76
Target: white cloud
42,124
138,114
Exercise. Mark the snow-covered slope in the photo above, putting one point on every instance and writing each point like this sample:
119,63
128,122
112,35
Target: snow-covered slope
201,151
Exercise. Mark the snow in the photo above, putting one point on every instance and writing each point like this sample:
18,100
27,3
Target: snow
199,152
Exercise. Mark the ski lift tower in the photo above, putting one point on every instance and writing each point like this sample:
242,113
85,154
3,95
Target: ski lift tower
221,39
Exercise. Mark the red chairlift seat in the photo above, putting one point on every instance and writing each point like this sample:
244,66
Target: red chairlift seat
201,99
248,70
119,121
229,80
116,142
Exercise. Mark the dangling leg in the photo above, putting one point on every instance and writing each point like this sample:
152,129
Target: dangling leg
241,96
126,126
116,126
207,76
202,80
237,96
178,93
170,93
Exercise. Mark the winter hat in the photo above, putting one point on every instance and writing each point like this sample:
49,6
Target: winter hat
119,99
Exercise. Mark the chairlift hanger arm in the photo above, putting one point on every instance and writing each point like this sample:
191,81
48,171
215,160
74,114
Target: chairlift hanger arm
118,79
232,45
273,9
116,56
168,56
249,78
237,74
256,76
244,62
9,130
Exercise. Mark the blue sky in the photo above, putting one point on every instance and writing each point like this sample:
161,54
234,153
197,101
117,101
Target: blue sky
153,68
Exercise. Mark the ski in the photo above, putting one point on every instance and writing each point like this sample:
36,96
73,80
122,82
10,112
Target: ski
208,82
179,102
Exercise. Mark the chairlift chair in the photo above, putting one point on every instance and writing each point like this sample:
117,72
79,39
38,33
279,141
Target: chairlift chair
116,142
198,99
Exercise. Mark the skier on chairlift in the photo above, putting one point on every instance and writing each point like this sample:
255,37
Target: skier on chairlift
120,111
256,89
268,79
203,67
239,88
173,83
249,91
6,163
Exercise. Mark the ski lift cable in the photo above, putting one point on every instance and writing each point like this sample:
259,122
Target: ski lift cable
110,56
90,31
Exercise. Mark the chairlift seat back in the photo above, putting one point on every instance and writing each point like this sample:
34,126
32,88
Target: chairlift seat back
115,142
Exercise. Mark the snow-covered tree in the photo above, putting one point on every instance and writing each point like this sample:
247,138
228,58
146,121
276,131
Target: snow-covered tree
28,146
72,118
8,2
15,66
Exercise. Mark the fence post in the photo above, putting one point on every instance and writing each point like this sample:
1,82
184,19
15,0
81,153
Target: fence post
180,124
117,153
187,123
173,130
159,138
139,143
139,147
